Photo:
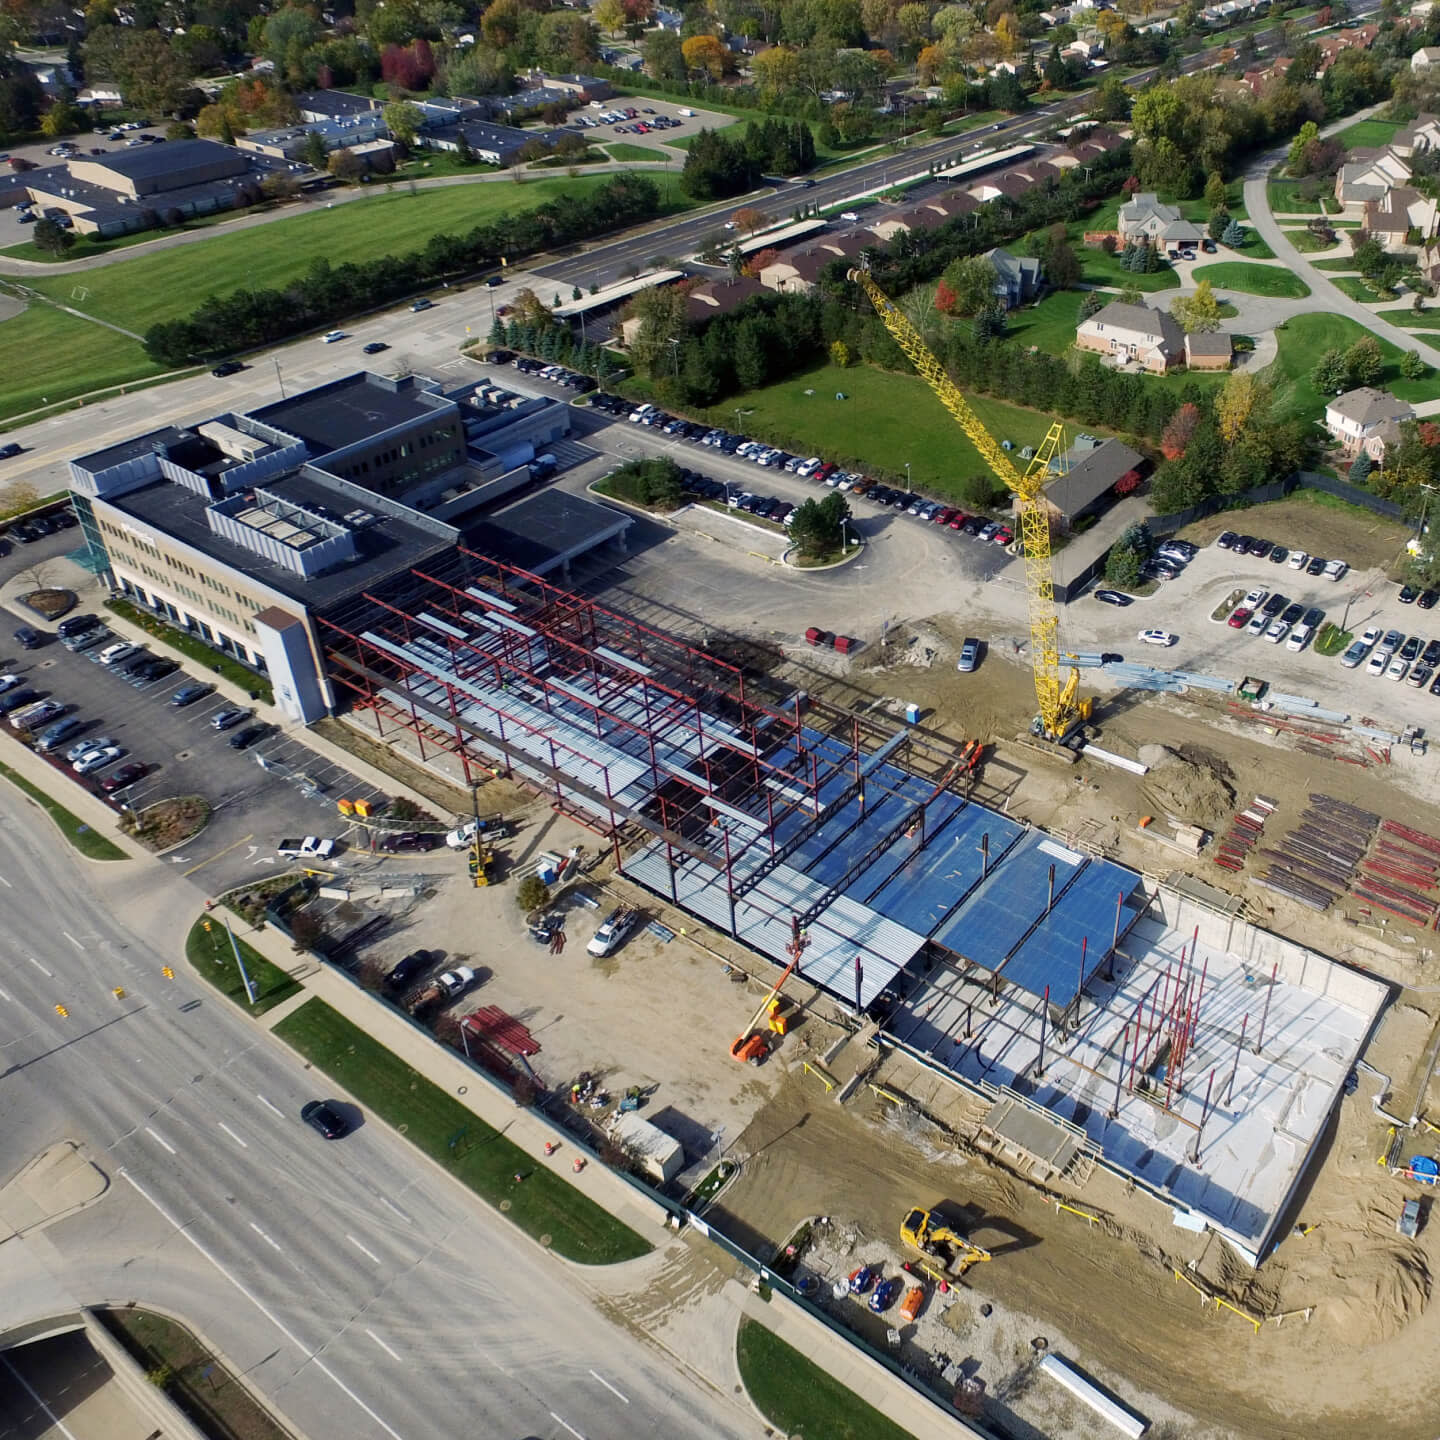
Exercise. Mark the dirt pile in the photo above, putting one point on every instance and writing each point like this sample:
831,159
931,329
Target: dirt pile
1191,790
1368,1289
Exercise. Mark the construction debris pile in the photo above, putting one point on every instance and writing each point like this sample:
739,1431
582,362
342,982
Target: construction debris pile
1244,834
1316,862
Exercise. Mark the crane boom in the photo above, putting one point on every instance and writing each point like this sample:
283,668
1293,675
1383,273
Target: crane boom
1057,701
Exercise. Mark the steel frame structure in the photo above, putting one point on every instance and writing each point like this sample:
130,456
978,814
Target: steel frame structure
636,686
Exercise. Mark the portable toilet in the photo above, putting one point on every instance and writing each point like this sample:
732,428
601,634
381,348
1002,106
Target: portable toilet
912,714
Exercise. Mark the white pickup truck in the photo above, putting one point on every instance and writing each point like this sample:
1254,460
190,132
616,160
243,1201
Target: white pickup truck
311,847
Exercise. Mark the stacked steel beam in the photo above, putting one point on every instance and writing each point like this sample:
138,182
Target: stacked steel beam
1404,864
1244,834
1317,861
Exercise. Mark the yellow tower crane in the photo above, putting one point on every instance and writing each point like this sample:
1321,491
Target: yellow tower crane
1059,707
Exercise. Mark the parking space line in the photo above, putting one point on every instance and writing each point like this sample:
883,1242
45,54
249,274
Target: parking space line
203,863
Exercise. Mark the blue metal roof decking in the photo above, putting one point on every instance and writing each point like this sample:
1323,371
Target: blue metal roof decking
928,886
1008,901
1051,954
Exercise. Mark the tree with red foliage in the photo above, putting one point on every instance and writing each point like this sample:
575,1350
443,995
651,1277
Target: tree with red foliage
324,77
1178,432
1130,186
944,299
1429,433
409,67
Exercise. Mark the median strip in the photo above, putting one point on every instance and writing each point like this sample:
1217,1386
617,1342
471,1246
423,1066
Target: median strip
543,1205
83,837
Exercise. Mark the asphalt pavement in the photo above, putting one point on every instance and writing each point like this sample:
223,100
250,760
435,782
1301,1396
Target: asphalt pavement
353,1284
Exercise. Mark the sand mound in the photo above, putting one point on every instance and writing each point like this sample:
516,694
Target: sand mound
1372,1291
1182,788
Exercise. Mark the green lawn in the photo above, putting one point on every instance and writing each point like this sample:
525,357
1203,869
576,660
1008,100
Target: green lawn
542,1204
1284,199
799,1398
1358,289
212,959
48,356
87,841
1425,320
1050,325
1254,247
1306,242
887,420
217,661
1368,133
1268,280
1303,339
1339,264
621,150
137,293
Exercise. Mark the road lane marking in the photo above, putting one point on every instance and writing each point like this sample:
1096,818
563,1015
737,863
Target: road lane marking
72,939
4,995
232,1134
382,1344
362,1249
242,841
55,1420
268,1105
159,1139
260,1305
567,1425
610,1387
263,1236
390,1206
6,883
40,967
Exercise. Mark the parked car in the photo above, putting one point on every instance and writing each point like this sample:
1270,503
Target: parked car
228,718
116,654
1114,597
124,777
405,972
1397,668
1412,647
1378,662
1277,630
1238,617
1298,560
613,931
409,842
969,655
57,733
1408,595
250,735
29,639
1427,599
76,625
190,693
97,759
1158,637
1257,623
1226,539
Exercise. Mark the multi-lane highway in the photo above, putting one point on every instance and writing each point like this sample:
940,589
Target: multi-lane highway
358,1288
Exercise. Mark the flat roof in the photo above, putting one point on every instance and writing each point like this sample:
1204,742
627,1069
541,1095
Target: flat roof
782,236
382,548
613,294
350,410
132,449
145,162
544,530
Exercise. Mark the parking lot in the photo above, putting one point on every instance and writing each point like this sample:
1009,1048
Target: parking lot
611,120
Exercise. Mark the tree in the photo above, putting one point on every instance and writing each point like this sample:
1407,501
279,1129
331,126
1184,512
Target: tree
610,16
344,164
404,119
972,283
928,64
664,56
1219,224
839,354
1412,367
1330,375
532,894
51,237
64,117
1294,162
1360,469
1364,363
817,527
1234,235
150,74
1198,314
315,151
1176,436
1215,191
1092,304
1127,555
1241,399
707,58
1111,100
751,220
660,309
1061,264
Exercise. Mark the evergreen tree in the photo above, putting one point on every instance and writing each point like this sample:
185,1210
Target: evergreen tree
1234,235
1361,468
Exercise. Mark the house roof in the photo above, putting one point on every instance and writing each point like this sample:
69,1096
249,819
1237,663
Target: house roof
1013,267
951,203
918,217
851,243
1140,320
720,297
1142,205
1199,343
1368,406
1086,482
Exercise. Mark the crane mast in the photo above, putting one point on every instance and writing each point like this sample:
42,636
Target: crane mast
1057,699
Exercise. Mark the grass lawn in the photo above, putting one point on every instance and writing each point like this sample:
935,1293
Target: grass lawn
170,283
1425,320
1284,199
1372,133
1198,211
1303,339
543,1205
799,1398
1050,325
212,959
87,841
212,659
1357,289
887,420
621,150
1340,263
47,356
1253,279
1254,247
1307,243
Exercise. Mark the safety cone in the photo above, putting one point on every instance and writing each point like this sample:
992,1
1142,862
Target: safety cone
551,1146
579,1164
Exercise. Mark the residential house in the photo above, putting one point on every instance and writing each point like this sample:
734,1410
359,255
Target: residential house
1143,214
796,273
1010,183
1366,419
849,244
720,297
1086,479
1422,133
1369,174
1332,46
950,203
918,217
1017,277
1208,352
1390,219
1134,335
1425,57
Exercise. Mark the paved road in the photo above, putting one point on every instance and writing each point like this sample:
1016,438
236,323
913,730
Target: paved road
359,1290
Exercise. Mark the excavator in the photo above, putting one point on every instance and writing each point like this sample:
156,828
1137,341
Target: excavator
949,1253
